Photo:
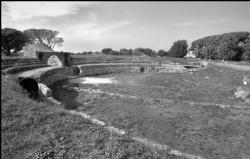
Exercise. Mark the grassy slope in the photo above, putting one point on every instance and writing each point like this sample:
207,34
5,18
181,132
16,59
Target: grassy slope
31,129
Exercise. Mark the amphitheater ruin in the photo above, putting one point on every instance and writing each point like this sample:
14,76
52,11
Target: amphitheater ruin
52,67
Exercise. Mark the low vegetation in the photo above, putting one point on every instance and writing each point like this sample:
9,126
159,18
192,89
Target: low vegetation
38,129
196,113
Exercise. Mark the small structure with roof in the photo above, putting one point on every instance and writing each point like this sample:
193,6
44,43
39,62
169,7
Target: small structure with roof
30,50
47,55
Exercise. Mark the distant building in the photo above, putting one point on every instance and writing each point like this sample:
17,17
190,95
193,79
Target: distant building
30,50
190,54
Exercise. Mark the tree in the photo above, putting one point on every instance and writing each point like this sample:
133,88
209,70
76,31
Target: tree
179,49
12,39
124,51
246,53
44,36
225,46
107,51
227,51
162,53
145,51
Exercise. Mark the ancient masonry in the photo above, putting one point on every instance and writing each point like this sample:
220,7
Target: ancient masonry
55,58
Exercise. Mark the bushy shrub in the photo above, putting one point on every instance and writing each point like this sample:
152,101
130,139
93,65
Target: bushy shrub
179,49
162,53
226,46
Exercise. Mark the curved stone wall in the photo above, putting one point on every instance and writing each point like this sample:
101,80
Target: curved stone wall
49,75
98,69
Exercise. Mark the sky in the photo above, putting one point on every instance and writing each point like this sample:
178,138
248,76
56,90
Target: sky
93,25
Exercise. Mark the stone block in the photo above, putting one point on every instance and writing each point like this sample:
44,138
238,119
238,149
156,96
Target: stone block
47,92
204,63
246,80
242,92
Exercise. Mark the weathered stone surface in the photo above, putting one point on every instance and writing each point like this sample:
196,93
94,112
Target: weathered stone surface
246,80
135,69
165,68
242,92
53,60
194,64
45,90
204,63
141,58
199,64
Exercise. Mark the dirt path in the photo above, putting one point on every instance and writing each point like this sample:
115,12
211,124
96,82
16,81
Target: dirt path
233,66
35,72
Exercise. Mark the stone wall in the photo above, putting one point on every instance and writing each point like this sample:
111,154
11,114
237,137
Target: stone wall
49,58
98,69
50,75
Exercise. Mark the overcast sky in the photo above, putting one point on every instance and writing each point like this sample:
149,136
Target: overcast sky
96,25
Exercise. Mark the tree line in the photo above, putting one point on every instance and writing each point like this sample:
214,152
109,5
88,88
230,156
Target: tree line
179,49
13,40
234,46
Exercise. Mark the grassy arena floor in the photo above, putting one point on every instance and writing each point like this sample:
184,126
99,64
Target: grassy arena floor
180,110
31,129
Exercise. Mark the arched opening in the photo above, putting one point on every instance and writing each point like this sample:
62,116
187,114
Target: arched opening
54,60
142,69
75,71
31,86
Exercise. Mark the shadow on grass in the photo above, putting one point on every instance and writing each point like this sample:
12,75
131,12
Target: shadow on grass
66,96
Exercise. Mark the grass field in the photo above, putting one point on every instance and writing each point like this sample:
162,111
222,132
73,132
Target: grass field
38,129
102,58
195,113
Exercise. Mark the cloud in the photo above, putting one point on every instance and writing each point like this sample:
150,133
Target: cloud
93,31
28,10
